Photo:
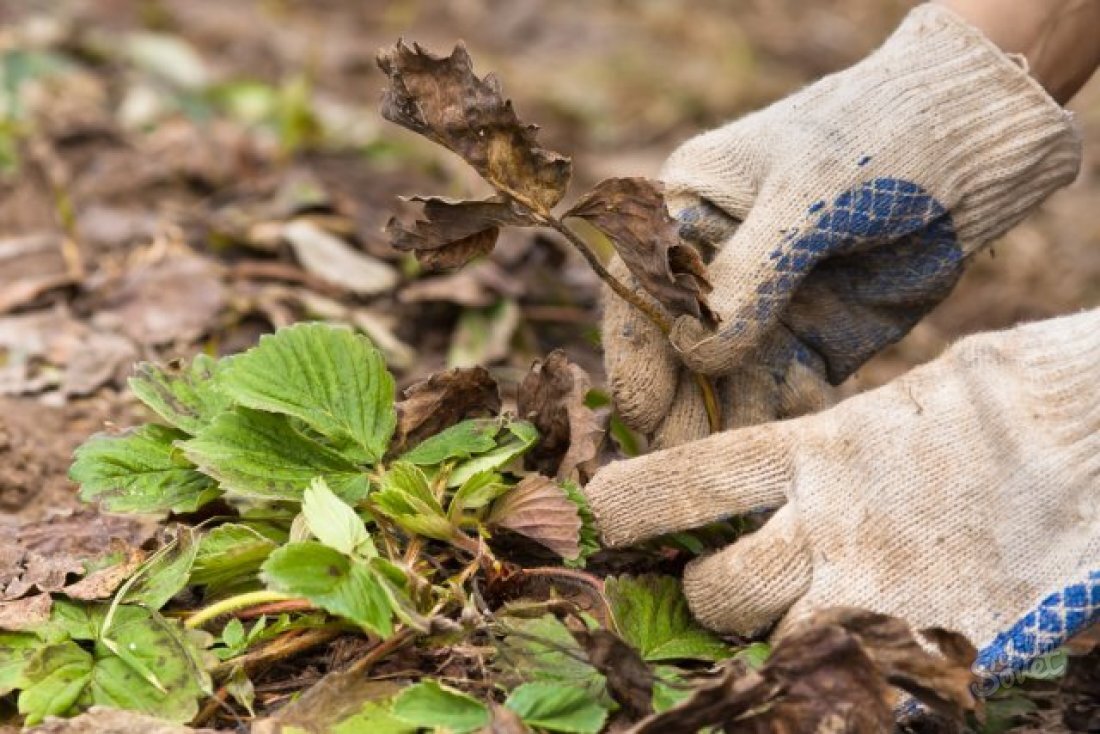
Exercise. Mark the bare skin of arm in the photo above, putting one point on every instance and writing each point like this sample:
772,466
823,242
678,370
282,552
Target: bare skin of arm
1059,38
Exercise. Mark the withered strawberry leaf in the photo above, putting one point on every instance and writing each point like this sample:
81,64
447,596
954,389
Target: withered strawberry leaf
834,672
632,213
442,400
453,232
551,396
540,510
442,99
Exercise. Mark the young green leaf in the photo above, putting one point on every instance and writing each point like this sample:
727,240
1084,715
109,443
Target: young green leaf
375,717
754,655
262,456
540,509
338,584
460,441
523,437
406,498
557,707
332,379
333,522
140,471
476,492
430,705
229,555
652,614
184,396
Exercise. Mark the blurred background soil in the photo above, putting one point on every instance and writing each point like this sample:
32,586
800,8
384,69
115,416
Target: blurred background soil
184,175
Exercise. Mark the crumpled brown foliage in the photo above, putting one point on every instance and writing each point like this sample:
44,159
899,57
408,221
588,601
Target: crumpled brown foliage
629,678
442,99
443,399
834,673
551,396
539,509
632,213
49,555
453,232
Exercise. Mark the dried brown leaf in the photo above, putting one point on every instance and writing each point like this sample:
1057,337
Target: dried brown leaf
551,396
453,232
445,398
505,721
632,213
834,673
442,99
629,678
539,509
25,614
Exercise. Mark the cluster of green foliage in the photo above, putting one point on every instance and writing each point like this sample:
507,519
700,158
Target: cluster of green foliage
283,460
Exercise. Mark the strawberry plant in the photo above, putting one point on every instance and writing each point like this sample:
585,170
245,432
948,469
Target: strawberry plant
312,508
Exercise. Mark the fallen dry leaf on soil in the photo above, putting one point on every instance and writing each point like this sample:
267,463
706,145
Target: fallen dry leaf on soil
335,261
539,509
834,673
100,720
632,213
445,398
478,286
442,99
551,396
451,232
176,298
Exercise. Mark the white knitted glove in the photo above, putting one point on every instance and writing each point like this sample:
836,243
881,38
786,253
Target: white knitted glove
860,198
964,495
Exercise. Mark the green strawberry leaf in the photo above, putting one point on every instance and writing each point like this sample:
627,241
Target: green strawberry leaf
165,574
330,378
406,498
557,707
229,555
430,705
652,614
476,492
523,437
141,662
186,397
140,471
16,650
334,523
262,456
346,587
460,441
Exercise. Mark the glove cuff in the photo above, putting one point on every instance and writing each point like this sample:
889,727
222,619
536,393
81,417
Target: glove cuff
998,142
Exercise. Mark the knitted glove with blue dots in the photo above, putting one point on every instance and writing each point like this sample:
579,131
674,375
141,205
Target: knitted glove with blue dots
837,218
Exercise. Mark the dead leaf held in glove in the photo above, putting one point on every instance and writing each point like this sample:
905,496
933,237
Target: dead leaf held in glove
442,99
632,213
551,396
451,232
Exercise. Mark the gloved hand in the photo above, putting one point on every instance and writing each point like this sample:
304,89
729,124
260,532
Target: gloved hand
859,199
964,495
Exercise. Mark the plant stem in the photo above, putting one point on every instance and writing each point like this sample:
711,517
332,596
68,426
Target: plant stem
280,648
363,665
705,384
230,604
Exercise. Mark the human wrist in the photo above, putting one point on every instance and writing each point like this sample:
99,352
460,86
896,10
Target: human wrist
1057,38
